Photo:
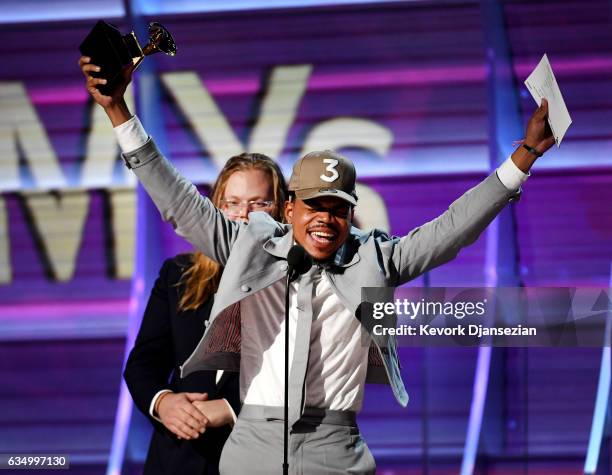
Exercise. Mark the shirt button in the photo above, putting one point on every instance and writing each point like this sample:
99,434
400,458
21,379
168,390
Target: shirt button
136,161
283,266
206,323
245,288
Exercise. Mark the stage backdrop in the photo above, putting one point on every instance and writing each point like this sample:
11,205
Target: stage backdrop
399,87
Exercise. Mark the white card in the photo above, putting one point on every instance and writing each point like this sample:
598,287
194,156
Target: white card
542,84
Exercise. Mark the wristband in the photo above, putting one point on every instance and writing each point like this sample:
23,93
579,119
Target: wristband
532,150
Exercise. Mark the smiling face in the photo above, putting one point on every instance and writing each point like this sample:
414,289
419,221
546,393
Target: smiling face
244,186
320,225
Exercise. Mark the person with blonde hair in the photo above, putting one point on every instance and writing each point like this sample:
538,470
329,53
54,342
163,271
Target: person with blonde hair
192,417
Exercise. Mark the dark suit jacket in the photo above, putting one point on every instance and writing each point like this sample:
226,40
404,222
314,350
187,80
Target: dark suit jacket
165,339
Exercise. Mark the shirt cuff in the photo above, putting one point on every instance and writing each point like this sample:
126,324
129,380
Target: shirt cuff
130,135
511,176
153,401
234,418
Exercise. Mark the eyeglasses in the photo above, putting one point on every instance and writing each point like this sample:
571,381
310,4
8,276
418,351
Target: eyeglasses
235,206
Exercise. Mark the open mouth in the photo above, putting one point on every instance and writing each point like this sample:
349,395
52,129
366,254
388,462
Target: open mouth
323,236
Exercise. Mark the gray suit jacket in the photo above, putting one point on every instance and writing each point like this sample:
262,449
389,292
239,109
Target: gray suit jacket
254,254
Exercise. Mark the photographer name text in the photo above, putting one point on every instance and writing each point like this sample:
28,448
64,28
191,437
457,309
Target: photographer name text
468,330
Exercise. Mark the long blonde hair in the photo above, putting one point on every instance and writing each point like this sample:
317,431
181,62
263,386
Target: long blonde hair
201,279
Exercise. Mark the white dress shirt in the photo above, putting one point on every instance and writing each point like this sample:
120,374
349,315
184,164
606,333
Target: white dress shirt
339,346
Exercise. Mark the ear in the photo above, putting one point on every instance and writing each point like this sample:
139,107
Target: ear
289,211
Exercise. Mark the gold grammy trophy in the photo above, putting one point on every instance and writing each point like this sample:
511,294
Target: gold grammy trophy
112,51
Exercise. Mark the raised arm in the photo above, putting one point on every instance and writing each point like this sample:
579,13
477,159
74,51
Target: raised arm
192,215
440,240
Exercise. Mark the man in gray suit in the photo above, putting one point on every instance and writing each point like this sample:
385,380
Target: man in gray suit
332,353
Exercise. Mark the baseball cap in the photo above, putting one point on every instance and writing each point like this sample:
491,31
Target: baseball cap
324,173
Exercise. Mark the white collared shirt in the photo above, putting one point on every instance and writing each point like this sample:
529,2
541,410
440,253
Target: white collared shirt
339,347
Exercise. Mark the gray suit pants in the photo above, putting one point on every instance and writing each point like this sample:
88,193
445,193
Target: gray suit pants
322,442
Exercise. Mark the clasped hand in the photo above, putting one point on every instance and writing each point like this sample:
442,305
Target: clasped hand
188,415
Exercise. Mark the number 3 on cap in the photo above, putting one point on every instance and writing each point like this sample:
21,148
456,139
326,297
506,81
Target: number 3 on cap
331,167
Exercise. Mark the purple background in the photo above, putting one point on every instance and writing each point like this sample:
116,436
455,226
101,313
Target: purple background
417,68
